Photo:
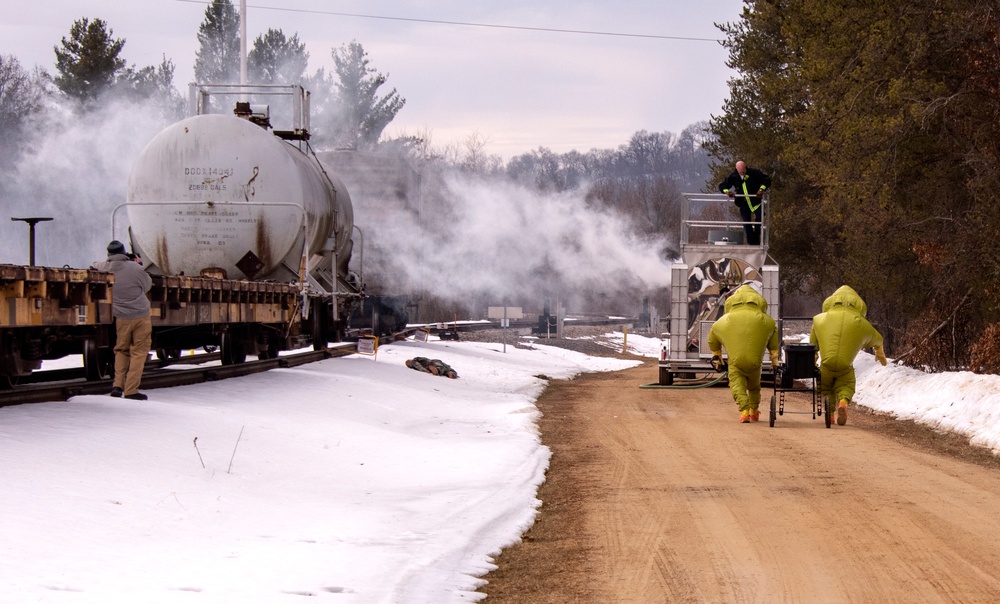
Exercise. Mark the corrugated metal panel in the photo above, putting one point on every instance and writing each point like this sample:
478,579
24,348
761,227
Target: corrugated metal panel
772,290
678,310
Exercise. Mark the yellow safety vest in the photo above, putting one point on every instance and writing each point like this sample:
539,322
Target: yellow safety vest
753,208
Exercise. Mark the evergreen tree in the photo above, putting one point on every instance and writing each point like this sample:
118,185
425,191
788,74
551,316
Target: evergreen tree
879,124
88,61
217,60
275,59
363,115
21,95
154,84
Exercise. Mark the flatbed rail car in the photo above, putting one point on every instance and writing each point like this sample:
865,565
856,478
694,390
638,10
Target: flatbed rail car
256,317
714,262
48,313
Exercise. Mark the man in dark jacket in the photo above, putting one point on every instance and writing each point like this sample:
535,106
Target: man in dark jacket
130,308
747,186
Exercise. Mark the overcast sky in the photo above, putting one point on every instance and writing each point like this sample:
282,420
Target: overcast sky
516,83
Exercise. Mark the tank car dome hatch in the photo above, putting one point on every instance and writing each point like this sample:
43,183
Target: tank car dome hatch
218,193
258,114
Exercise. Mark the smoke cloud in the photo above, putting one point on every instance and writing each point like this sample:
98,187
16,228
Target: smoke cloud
459,238
469,238
74,169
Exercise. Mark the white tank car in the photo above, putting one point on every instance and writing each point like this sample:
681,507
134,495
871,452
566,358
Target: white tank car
217,192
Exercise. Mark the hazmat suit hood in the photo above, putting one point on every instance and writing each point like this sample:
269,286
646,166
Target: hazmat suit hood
840,332
745,297
745,331
845,296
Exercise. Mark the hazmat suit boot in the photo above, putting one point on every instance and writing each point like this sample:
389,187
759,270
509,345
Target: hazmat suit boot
745,416
842,413
755,414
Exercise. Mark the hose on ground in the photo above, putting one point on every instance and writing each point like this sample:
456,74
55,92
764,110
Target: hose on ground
688,386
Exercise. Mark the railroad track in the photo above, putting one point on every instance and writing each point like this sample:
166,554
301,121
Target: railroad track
78,373
62,384
75,384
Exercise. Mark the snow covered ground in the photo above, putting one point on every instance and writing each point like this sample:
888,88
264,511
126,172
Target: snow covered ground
350,480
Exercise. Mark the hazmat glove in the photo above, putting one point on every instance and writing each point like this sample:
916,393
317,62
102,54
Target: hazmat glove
775,358
717,361
880,355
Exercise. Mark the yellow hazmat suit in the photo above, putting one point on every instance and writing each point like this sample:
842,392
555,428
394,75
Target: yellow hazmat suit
745,330
839,333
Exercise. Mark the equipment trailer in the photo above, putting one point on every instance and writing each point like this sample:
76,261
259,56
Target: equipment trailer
714,262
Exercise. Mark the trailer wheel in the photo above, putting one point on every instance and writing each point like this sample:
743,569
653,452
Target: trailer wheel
666,377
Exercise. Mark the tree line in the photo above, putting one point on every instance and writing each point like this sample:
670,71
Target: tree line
350,112
878,122
642,178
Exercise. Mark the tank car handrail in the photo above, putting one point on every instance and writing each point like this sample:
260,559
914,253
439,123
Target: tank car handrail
304,218
361,255
199,98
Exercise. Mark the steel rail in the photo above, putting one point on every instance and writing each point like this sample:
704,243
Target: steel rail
61,391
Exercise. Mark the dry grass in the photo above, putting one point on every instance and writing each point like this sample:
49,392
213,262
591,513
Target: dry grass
552,565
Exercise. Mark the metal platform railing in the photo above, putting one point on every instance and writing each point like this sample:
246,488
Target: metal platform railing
707,219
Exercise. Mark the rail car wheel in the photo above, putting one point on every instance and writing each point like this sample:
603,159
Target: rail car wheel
168,353
231,349
666,377
827,411
774,410
269,352
318,335
9,356
339,332
98,362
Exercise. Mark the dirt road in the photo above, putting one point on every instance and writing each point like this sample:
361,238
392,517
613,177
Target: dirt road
663,496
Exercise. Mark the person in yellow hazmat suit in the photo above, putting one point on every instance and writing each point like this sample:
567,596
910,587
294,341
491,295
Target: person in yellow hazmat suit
745,330
839,333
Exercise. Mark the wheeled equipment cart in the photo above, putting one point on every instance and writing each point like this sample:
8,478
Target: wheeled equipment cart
799,365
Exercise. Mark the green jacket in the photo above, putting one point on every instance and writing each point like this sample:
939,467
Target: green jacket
745,330
842,330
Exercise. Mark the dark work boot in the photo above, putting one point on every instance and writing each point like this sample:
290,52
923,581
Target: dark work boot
138,396
116,392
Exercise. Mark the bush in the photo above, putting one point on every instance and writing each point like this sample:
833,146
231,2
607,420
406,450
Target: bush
985,353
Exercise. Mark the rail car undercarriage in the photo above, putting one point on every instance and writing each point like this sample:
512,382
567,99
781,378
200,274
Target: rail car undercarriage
49,313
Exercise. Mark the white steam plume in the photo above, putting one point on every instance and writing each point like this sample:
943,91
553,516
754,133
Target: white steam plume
74,170
469,237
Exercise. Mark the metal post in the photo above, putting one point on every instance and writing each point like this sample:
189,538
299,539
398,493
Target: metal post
504,327
31,235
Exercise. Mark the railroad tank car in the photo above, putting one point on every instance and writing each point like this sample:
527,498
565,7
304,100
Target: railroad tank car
219,195
224,196
248,237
